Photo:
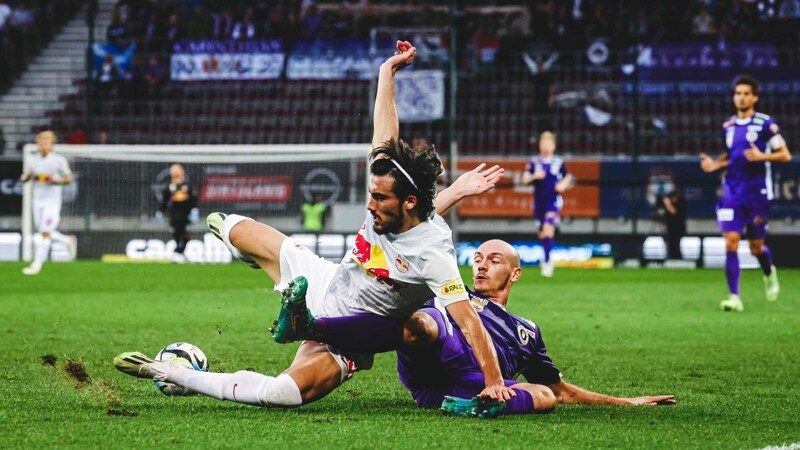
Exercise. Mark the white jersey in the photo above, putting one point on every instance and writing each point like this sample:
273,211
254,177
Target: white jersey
43,169
395,274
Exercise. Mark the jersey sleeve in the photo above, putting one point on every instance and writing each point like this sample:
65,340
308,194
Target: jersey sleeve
541,369
63,168
772,135
440,272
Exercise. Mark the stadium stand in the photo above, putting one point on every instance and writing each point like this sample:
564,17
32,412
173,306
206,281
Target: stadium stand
521,69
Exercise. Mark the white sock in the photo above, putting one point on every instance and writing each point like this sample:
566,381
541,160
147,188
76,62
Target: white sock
243,386
230,221
58,237
42,250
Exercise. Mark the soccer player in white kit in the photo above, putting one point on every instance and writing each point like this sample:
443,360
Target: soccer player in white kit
403,256
49,172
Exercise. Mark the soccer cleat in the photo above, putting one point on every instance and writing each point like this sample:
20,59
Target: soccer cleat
32,270
140,366
547,269
733,303
295,322
216,224
771,286
484,408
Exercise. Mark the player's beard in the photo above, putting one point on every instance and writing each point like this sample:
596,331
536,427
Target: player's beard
389,222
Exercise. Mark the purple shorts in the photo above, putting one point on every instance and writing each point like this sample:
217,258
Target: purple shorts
753,217
455,371
550,216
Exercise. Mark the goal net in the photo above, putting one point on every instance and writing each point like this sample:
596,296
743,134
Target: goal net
111,205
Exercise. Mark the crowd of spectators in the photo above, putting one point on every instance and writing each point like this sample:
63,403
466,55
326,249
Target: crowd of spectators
156,25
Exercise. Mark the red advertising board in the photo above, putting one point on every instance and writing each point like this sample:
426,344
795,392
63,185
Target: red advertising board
246,188
511,199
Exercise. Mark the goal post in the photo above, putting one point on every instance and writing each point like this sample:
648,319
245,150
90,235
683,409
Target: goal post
116,189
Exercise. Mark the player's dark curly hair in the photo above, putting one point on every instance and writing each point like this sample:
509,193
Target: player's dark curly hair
749,80
423,165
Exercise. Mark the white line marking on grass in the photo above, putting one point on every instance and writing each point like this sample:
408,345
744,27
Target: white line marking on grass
795,446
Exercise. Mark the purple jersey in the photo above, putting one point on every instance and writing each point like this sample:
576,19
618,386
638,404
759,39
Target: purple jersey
545,197
518,343
747,181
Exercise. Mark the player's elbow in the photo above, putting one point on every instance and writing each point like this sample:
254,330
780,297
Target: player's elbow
544,401
787,156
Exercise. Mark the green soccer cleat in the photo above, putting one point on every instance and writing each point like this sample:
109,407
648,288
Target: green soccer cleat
216,225
484,408
295,322
771,286
733,303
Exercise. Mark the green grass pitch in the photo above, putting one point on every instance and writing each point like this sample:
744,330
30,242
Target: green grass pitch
622,332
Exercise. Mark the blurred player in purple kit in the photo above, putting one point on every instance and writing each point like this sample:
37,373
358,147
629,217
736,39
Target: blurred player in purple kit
753,142
549,177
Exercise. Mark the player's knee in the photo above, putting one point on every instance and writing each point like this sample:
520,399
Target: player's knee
420,330
281,391
756,248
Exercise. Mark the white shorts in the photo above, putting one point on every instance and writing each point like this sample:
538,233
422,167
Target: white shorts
46,216
296,259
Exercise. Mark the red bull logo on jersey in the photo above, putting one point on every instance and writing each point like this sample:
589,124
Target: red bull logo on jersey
401,264
42,178
453,287
372,259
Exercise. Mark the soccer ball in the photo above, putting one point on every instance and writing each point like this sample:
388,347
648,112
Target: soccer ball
181,353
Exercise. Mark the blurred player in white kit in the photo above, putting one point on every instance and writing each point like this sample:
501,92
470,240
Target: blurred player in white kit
49,172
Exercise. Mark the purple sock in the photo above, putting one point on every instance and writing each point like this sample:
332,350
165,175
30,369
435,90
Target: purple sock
732,271
765,259
548,244
361,333
521,404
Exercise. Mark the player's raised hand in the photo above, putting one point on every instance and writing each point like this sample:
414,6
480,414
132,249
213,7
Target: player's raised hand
499,392
403,57
653,400
753,153
706,163
478,180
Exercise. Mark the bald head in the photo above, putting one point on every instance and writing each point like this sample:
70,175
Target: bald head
495,268
176,173
503,248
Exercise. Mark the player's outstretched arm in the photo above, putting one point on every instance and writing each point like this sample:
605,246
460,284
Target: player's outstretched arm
709,164
475,182
569,393
26,176
386,125
483,349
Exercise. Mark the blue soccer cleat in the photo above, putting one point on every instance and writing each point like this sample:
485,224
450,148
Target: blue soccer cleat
485,408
